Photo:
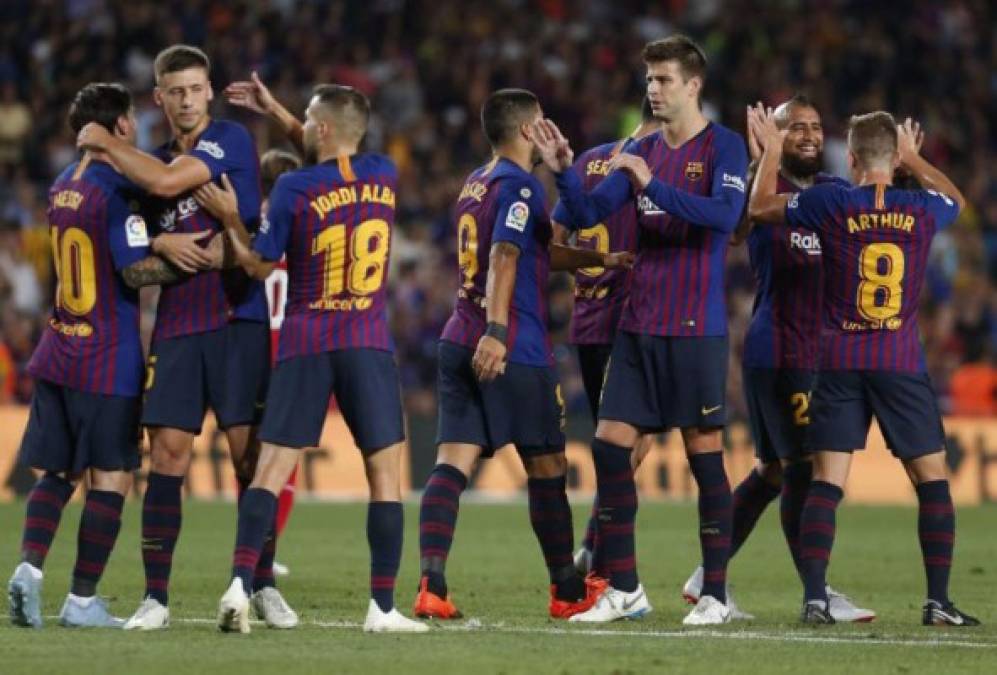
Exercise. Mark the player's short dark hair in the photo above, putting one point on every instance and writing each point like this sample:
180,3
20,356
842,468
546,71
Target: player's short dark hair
273,163
680,48
180,57
348,105
504,110
100,102
872,137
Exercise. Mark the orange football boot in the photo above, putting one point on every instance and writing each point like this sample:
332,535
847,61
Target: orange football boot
428,605
565,609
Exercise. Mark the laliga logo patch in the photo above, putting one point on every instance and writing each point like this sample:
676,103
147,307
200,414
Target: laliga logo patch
135,231
694,171
211,148
519,213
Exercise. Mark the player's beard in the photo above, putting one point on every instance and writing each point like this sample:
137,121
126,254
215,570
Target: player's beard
803,167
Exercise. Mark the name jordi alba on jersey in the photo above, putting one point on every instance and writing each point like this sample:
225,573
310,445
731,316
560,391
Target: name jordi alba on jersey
333,221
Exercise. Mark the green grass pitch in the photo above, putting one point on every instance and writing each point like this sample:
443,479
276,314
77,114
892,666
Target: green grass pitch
497,578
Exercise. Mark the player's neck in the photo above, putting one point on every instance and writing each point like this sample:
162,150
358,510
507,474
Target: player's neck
334,151
798,181
874,177
520,156
683,127
185,140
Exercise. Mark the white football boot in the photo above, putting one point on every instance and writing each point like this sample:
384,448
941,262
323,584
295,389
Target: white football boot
271,607
233,609
843,610
614,605
708,612
693,588
390,622
150,615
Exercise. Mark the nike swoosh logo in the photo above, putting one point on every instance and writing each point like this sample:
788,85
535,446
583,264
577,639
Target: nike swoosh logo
707,411
628,605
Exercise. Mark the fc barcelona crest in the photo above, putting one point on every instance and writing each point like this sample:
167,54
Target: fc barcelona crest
694,170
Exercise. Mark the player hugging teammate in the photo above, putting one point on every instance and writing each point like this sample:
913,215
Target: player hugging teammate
839,269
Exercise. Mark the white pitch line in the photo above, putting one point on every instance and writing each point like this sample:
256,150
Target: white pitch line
663,634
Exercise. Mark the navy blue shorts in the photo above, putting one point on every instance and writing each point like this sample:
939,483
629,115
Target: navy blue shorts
523,406
778,410
227,369
592,360
844,402
655,382
71,430
365,382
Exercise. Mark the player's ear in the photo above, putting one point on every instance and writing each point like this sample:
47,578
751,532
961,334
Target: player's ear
896,160
211,92
157,96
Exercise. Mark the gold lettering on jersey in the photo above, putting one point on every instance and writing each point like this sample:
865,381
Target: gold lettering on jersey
591,292
476,299
68,199
83,330
892,220
475,190
597,167
350,304
893,323
345,196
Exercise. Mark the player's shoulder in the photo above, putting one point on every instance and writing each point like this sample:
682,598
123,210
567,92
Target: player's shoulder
520,185
601,151
821,178
726,139
223,135
373,163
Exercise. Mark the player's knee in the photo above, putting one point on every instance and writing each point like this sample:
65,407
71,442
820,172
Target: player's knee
461,456
927,468
170,451
111,481
700,441
553,465
617,433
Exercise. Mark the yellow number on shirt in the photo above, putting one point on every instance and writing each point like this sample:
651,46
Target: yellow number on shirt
601,236
76,271
467,248
368,257
873,281
801,408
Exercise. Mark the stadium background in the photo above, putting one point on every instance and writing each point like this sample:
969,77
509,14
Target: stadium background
427,66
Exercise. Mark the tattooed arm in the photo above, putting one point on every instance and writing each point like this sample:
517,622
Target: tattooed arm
151,271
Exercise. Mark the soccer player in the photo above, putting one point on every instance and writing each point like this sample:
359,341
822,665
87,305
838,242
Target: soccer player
88,366
333,220
781,349
211,342
273,164
497,383
600,294
668,366
875,240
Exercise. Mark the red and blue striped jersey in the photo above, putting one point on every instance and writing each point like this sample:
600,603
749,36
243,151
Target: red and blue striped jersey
875,241
785,322
600,294
91,342
333,221
502,202
209,300
685,218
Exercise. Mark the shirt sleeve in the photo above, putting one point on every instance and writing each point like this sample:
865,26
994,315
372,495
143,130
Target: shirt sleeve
128,236
275,228
585,209
722,209
811,209
560,214
942,207
515,217
229,149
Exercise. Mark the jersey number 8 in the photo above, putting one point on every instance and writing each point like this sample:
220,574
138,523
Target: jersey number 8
880,294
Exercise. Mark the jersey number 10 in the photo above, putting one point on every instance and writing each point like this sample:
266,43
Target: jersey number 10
76,271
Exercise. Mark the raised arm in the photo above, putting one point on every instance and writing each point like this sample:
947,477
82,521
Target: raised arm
930,177
765,204
222,203
256,96
585,209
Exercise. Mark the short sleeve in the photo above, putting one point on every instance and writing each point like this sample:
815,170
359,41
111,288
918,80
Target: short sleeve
128,235
812,208
516,215
223,148
942,207
275,227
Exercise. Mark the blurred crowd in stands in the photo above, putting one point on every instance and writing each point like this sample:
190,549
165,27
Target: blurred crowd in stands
428,65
